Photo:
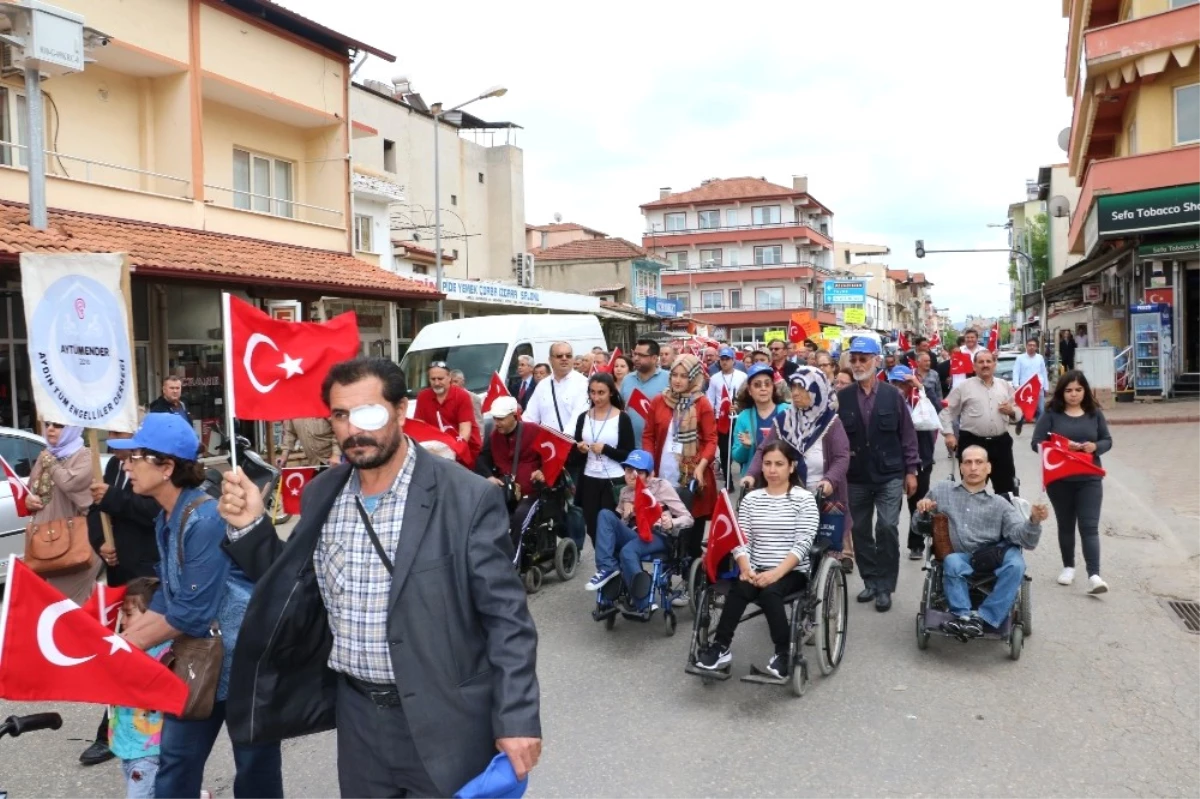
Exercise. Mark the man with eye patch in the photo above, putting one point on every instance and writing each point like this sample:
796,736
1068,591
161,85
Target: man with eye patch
392,612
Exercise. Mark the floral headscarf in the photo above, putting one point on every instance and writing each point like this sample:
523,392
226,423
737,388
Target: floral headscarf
687,433
804,427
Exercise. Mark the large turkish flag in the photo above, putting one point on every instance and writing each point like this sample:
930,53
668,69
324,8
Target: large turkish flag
1058,461
724,535
1027,397
278,366
51,650
554,448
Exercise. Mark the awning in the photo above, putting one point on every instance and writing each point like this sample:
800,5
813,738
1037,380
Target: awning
606,313
1084,270
189,254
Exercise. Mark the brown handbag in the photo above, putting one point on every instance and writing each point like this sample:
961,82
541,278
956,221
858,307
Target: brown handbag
942,546
57,547
196,661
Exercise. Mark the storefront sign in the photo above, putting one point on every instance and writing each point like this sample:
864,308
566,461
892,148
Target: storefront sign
79,339
1169,248
660,306
500,293
1172,208
845,292
855,316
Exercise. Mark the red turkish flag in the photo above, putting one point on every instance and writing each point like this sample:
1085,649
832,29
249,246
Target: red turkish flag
496,389
723,535
1058,462
104,605
902,342
278,366
98,667
724,411
935,340
432,438
554,448
960,363
18,488
639,403
646,510
1027,396
292,483
994,338
882,376
795,329
613,359
778,376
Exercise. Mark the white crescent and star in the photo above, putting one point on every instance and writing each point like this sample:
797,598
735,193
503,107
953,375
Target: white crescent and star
546,445
104,614
1046,450
299,486
45,634
290,366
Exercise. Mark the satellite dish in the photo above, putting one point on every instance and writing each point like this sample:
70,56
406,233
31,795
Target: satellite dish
1064,139
1059,206
557,217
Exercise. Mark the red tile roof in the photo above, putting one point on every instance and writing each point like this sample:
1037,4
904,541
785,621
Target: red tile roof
184,253
721,190
900,275
558,227
593,250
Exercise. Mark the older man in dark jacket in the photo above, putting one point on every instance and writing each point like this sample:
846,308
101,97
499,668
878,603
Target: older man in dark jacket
393,610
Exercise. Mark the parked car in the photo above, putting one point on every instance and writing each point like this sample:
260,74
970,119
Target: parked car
21,449
1005,361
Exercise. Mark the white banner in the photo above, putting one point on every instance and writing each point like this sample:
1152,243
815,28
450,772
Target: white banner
79,349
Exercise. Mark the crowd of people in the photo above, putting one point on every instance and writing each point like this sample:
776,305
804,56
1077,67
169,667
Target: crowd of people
335,627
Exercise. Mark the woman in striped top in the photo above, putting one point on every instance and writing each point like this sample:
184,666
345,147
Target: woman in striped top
779,523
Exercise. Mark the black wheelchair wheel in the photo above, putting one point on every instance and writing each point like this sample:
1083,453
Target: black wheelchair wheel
1025,608
610,621
704,623
566,559
669,623
922,633
1016,642
697,579
832,616
533,579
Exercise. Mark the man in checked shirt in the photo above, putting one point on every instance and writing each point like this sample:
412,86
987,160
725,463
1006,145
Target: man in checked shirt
393,610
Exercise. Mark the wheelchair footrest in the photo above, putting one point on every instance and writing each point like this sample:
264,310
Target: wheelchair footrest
761,677
639,617
600,614
707,675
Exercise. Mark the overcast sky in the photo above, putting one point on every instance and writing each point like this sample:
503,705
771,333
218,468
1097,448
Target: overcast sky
911,120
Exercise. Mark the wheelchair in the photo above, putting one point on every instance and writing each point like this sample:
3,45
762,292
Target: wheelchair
817,613
545,545
935,610
616,599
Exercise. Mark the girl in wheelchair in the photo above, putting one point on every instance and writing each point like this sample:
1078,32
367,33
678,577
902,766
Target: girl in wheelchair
779,523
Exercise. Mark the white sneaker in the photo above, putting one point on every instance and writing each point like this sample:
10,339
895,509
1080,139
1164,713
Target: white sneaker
681,601
1066,576
1096,585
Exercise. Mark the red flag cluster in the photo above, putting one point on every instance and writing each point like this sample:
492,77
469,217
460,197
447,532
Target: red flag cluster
723,536
961,364
1059,461
646,510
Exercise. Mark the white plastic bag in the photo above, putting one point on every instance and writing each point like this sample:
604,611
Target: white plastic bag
925,416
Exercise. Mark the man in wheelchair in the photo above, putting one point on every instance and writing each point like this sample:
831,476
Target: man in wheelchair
987,533
511,459
618,546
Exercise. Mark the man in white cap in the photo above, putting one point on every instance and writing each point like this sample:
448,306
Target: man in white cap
511,459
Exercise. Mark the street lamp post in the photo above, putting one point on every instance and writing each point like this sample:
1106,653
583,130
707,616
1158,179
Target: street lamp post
438,115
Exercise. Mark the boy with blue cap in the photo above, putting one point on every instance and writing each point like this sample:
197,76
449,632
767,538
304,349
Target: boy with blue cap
617,539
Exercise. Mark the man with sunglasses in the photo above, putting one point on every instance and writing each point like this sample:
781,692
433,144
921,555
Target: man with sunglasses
884,462
560,398
779,359
449,408
647,377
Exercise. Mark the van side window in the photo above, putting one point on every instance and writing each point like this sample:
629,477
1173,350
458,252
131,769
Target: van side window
518,351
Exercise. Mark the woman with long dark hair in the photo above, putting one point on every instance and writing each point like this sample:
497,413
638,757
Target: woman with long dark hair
1074,414
604,436
621,366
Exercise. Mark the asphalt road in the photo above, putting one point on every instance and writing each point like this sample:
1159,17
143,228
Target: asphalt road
1105,700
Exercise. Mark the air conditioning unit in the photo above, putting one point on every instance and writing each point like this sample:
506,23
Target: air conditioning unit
7,67
523,269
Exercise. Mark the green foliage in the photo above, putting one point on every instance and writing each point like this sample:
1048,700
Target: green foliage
1039,250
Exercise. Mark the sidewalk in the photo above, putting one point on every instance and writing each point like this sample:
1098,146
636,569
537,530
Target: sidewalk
1175,411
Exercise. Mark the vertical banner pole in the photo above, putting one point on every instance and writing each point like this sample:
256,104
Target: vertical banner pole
230,431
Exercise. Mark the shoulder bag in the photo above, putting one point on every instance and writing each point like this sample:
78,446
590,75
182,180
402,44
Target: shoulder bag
196,661
57,547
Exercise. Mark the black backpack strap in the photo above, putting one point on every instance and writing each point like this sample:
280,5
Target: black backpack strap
183,520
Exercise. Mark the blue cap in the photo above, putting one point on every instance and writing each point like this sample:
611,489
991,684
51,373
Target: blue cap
726,352
641,460
900,374
163,432
864,346
759,368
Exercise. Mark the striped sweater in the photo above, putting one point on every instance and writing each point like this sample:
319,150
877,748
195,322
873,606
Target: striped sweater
777,525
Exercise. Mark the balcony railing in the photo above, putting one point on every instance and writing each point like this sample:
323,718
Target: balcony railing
93,171
280,206
675,269
816,228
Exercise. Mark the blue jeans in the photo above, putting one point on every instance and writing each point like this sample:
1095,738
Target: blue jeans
995,609
186,746
616,541
139,777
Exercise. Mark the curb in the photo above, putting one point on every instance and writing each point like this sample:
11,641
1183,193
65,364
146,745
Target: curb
1149,420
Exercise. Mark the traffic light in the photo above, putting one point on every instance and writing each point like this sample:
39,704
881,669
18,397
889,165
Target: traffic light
920,248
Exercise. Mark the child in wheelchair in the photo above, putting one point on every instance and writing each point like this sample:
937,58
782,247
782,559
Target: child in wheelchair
619,548
779,523
987,535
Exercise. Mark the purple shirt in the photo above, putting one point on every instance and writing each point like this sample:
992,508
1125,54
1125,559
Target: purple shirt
908,433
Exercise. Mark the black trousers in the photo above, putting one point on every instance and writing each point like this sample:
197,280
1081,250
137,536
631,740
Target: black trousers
1000,455
375,749
593,495
723,457
770,599
1078,502
916,541
516,519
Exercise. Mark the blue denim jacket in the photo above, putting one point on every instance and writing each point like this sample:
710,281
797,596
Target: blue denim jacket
208,586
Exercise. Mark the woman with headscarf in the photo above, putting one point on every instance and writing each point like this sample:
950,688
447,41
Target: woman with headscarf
681,433
60,488
812,427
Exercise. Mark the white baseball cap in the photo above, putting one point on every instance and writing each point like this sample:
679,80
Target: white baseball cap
503,406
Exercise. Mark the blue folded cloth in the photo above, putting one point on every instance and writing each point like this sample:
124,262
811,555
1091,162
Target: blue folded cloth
498,781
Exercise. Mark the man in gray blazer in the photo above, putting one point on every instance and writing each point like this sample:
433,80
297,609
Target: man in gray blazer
393,611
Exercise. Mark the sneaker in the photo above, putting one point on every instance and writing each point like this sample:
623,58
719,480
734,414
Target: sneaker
714,656
1066,576
1096,585
778,666
682,600
915,554
964,627
599,579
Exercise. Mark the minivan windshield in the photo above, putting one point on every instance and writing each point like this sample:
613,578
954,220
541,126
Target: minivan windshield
477,362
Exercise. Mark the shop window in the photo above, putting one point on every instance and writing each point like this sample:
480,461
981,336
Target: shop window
262,183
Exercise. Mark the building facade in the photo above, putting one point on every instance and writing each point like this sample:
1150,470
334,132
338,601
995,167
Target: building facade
742,253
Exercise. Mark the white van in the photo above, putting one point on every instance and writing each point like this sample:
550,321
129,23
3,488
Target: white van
482,345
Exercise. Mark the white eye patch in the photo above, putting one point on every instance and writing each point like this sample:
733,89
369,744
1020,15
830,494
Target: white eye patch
369,417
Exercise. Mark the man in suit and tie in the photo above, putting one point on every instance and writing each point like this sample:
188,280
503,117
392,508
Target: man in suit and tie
392,612
522,385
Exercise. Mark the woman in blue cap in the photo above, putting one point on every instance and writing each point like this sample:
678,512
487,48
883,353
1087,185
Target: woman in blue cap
758,403
200,585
